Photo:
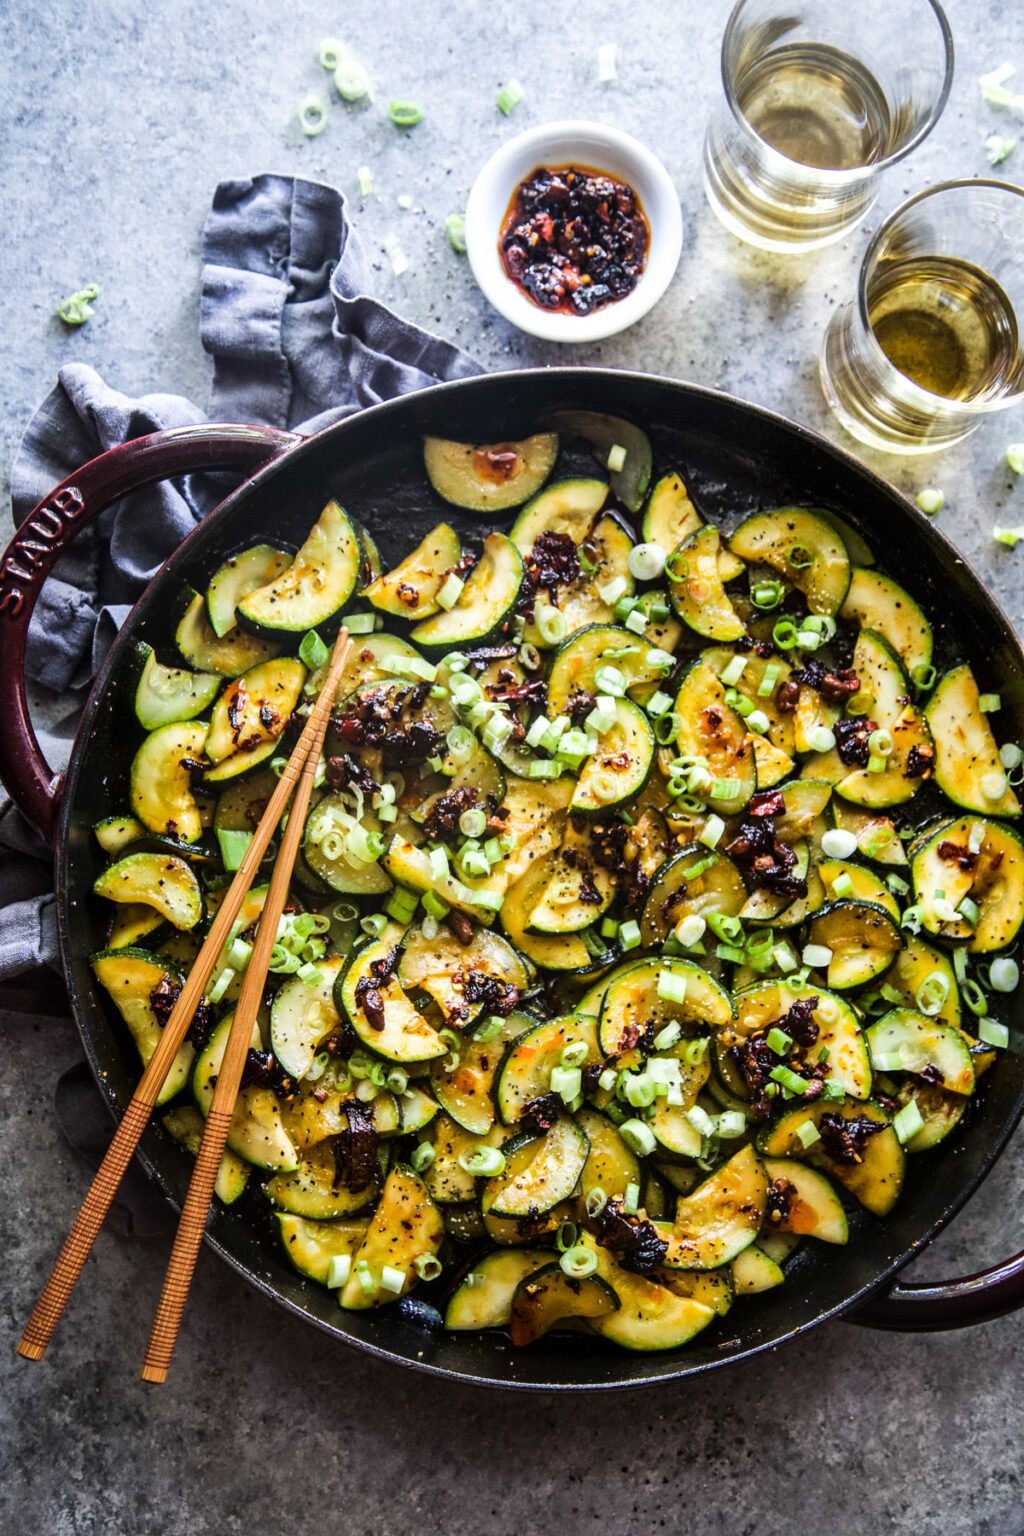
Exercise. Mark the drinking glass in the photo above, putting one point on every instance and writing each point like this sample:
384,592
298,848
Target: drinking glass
931,342
820,98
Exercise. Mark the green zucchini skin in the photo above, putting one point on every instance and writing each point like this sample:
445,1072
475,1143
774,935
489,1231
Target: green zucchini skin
165,695
966,754
489,477
130,977
239,575
314,590
485,604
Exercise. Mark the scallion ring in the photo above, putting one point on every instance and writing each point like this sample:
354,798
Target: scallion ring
312,115
578,1262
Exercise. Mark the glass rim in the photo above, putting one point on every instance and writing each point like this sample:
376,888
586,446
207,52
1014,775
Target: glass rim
858,173
981,407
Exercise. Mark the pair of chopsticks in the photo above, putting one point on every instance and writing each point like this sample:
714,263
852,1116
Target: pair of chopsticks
300,772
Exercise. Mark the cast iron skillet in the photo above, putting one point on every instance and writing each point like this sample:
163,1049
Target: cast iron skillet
736,458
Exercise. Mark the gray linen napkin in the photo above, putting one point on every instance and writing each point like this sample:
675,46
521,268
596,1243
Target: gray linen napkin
296,342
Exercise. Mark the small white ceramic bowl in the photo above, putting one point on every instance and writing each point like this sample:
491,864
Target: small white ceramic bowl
596,147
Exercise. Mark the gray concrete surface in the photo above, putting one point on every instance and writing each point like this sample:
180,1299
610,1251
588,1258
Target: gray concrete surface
118,119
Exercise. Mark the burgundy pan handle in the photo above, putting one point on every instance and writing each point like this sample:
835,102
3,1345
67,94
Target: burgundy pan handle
47,532
932,1306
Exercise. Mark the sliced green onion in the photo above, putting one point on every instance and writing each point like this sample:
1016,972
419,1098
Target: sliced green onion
482,1162
880,742
924,678
1011,756
616,460
1004,974
974,997
666,728
807,1134
711,833
784,634
907,1122
450,591
455,224
800,557
838,843
645,561
607,64
629,934
778,1041
787,1078
992,1033
989,703
612,590
338,1271
234,845
677,567
690,930
733,671
766,687
427,1266
671,988
1009,536
566,1235
312,651
930,500
860,702
969,911
473,822
404,114
551,625
510,96
392,1279
631,1199
566,1082
638,1137
695,1050
364,176
309,975
330,53
767,594
222,983
399,264
578,1262
758,721
1015,458
993,785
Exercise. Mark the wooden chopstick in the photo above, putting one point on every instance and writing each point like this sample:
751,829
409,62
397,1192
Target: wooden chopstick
78,1243
194,1213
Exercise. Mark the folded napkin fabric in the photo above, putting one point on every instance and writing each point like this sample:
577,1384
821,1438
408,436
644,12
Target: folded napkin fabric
297,342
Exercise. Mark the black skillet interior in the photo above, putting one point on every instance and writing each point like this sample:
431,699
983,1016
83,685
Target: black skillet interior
736,459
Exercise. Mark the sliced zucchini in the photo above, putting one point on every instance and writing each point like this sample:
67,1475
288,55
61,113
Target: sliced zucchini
206,651
778,538
311,1245
858,883
696,590
617,772
249,718
723,1214
611,1166
650,1315
540,1171
995,883
257,1132
580,602
761,1007
712,1288
236,578
447,1180
913,966
525,1072
753,1271
877,838
670,515
441,967
325,851
549,1297
405,1226
878,603
693,883
114,833
131,977
489,477
568,506
464,1090
905,1041
315,588
966,755
940,1111
134,922
809,1206
164,695
161,780
633,1002
186,1124
858,549
566,952
372,661
912,756
578,659
395,1030
750,683
864,939
485,603
242,802
158,880
604,433
483,1297
410,590
314,1191
319,1111
410,866
303,1015
709,729
875,1180
578,889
